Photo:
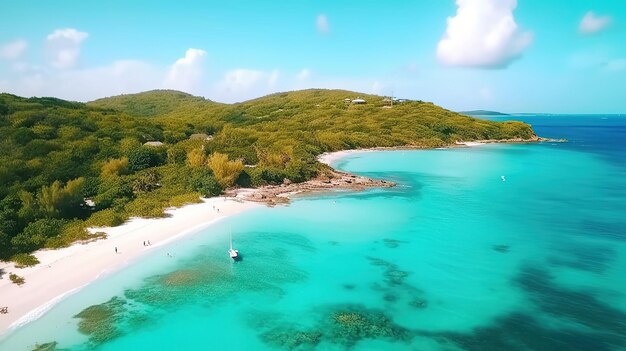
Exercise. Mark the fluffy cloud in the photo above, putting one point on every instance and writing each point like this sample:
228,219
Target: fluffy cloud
186,73
13,50
304,74
483,33
591,23
120,77
322,24
63,46
242,84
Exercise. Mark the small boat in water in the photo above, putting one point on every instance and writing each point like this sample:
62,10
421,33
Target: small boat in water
234,254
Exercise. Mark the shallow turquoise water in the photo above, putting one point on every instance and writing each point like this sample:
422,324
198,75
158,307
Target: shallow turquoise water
453,258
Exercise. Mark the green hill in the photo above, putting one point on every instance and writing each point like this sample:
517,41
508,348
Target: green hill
150,103
54,154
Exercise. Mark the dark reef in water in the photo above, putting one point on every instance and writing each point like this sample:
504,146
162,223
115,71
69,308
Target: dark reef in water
49,346
393,243
594,259
501,248
593,324
101,322
344,325
395,288
291,339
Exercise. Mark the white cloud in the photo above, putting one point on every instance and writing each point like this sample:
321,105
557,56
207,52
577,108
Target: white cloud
13,50
304,74
243,84
483,33
322,24
591,23
376,88
63,46
186,73
273,78
120,77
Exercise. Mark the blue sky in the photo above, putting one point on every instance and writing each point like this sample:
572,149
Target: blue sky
506,55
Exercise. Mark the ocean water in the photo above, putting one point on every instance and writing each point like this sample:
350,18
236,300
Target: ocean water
453,258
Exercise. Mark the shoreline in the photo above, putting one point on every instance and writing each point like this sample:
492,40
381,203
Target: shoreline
329,158
63,272
48,283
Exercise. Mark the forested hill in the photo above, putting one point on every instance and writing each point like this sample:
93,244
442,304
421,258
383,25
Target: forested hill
67,165
152,103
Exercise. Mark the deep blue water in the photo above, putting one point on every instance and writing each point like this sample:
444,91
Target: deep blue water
604,135
453,258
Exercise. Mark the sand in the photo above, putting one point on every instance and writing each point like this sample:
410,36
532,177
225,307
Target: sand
64,271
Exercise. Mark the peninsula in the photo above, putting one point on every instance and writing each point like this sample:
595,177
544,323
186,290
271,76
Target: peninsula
72,173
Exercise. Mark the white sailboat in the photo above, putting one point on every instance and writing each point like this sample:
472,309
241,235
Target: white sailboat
234,254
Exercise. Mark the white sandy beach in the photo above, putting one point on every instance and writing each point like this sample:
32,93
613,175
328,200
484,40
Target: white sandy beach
64,271
330,157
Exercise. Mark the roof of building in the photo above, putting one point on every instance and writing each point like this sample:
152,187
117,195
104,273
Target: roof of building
201,136
153,143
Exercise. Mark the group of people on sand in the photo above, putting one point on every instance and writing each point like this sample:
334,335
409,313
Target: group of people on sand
145,243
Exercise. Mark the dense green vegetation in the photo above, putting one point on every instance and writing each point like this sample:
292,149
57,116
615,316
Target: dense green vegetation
65,166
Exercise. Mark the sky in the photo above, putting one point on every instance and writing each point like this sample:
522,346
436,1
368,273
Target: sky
549,56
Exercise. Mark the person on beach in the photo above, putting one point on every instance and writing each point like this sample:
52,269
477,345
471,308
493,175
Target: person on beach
116,249
149,244
144,243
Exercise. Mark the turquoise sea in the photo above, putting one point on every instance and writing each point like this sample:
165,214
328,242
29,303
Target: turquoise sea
453,258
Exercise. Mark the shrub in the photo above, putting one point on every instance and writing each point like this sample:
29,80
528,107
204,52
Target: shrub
70,233
105,218
36,233
23,260
145,157
225,171
16,279
204,183
115,167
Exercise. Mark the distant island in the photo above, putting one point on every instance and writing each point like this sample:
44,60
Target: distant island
68,166
483,113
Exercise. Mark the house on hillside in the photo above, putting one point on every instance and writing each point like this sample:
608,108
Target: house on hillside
153,143
200,136
347,101
358,101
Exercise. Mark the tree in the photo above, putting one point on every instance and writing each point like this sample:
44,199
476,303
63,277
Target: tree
225,171
146,181
30,208
115,167
204,183
196,158
34,236
146,157
57,201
